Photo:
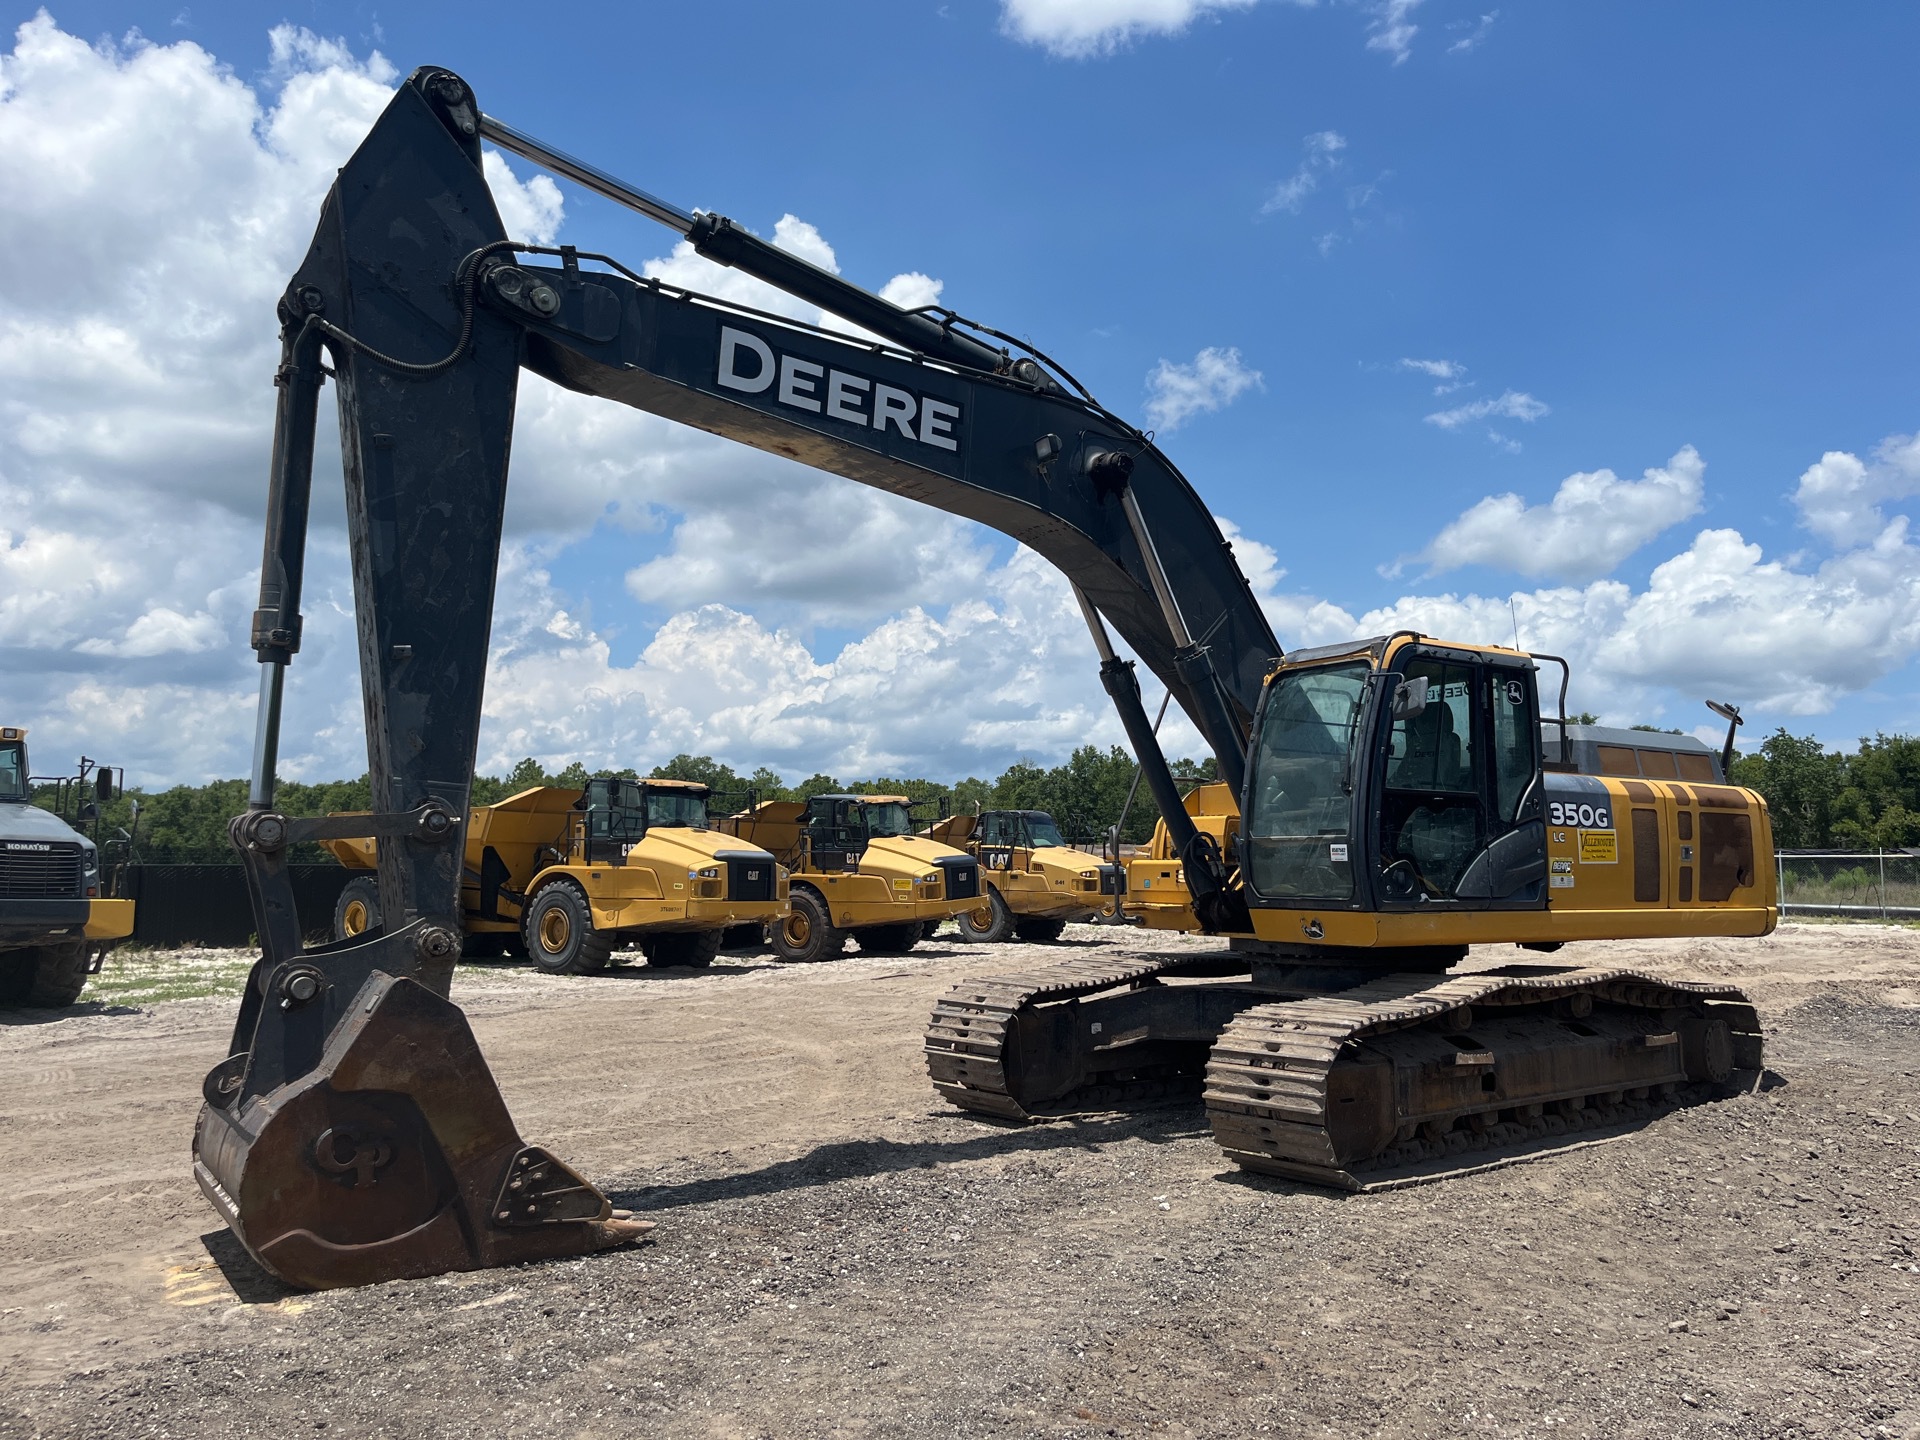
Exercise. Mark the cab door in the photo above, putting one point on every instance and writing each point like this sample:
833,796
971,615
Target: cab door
1459,810
835,835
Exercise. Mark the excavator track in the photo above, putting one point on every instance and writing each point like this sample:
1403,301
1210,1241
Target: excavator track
1399,1079
1468,1071
970,1041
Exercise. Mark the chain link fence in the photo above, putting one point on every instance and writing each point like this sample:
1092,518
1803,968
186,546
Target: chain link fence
1855,884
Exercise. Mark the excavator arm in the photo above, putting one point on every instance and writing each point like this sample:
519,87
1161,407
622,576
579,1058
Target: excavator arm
354,1132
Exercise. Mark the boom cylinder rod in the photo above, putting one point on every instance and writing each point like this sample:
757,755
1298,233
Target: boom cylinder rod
1156,572
581,173
725,243
1118,677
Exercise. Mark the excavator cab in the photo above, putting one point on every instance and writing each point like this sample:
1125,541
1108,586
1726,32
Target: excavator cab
1410,787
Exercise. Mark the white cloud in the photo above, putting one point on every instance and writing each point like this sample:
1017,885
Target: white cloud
1784,638
1471,32
1509,405
1176,393
1322,149
1080,29
1839,496
1391,30
1594,521
1450,374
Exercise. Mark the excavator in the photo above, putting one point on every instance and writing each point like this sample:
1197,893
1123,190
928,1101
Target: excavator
1396,807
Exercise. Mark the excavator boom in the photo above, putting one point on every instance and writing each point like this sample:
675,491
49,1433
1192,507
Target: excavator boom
354,1132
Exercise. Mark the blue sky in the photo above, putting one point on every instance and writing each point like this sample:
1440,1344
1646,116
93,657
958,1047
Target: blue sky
1607,233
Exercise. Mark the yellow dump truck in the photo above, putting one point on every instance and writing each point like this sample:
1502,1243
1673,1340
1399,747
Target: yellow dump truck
858,870
1036,883
1157,894
572,876
55,914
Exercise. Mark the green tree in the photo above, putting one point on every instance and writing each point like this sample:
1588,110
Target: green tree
1801,781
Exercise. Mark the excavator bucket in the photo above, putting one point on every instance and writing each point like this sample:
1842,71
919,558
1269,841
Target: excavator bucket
391,1158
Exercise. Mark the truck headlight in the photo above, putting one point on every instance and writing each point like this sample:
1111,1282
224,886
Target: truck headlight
709,872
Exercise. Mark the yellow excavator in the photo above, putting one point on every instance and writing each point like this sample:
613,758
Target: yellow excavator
1398,813
858,871
1036,883
570,877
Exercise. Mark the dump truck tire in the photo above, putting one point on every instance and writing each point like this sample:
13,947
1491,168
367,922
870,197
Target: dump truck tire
888,939
695,949
930,928
358,908
45,977
1036,930
808,933
558,929
999,924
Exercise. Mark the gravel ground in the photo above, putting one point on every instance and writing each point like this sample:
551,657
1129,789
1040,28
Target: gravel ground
838,1254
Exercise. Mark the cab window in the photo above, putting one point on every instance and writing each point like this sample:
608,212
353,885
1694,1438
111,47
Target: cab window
1516,740
1298,826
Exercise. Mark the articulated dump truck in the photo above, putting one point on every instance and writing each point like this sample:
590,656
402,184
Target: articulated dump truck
570,877
56,916
1036,883
1403,827
858,871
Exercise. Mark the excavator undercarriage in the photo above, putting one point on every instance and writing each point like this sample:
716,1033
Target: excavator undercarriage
1338,1077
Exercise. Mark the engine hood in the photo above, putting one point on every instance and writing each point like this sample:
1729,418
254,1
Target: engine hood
905,855
1063,860
19,821
666,843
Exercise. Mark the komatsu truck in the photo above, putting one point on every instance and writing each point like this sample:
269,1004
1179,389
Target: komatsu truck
56,917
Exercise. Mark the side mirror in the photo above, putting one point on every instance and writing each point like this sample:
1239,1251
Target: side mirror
1410,698
103,785
89,811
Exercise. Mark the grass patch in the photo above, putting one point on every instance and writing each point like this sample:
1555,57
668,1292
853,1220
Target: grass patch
148,977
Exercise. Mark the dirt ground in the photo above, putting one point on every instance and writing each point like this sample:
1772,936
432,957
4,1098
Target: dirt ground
839,1254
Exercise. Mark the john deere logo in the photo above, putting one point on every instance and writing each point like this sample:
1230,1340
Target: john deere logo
1313,930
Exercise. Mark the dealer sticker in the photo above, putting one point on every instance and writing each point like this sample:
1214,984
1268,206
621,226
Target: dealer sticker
1599,847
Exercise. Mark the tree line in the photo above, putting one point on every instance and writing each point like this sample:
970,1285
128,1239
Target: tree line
1824,799
1868,799
187,824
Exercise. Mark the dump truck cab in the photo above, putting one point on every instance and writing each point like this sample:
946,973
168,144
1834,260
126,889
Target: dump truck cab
858,870
55,914
573,876
1036,882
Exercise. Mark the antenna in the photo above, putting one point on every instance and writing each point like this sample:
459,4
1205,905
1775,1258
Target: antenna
1514,611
